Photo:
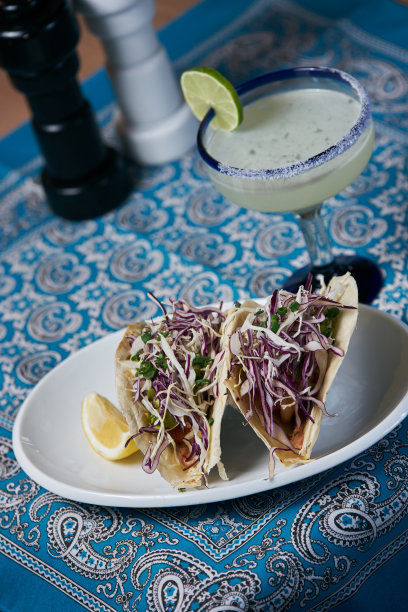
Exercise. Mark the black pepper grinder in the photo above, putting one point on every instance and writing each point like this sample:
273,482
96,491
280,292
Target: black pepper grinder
82,177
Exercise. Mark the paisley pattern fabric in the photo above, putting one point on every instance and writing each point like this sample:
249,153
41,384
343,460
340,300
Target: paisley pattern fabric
333,540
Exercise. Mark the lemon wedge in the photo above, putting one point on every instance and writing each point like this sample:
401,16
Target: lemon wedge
105,428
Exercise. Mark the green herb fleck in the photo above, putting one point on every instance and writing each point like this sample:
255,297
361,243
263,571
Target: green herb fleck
202,361
275,326
202,381
135,357
294,306
147,370
210,421
282,311
181,489
332,312
147,334
161,361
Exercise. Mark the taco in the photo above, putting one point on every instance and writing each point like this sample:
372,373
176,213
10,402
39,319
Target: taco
169,383
283,358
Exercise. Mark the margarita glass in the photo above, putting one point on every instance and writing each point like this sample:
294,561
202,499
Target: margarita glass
307,134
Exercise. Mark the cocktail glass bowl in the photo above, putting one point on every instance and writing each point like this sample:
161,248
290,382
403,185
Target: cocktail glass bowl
300,185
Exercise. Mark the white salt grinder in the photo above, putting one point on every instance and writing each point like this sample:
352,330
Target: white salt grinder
154,123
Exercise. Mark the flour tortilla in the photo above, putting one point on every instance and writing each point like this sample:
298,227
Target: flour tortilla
168,466
341,289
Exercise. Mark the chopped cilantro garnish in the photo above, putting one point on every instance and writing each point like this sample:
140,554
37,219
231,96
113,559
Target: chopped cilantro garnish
161,361
147,334
210,421
326,327
282,311
275,326
332,312
202,381
202,361
147,370
294,306
258,312
135,357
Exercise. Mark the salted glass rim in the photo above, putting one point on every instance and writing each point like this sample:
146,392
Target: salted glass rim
348,140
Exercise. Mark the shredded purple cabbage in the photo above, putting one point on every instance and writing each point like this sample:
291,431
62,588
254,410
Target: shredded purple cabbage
280,356
176,360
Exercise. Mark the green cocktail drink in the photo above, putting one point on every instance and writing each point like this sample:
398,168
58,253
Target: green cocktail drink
307,133
285,129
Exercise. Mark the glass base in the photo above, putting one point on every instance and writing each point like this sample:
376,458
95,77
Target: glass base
366,272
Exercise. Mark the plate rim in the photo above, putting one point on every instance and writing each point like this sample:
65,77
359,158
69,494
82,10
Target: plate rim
203,495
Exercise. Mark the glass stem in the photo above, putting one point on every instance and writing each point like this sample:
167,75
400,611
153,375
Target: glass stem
316,237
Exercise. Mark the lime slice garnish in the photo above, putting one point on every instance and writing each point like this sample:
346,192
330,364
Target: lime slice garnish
204,88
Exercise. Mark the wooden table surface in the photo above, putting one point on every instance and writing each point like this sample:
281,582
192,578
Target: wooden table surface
13,106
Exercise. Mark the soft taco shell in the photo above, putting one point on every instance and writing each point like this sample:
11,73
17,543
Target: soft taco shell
341,289
168,466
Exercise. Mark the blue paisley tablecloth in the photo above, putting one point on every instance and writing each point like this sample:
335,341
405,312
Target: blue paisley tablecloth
336,540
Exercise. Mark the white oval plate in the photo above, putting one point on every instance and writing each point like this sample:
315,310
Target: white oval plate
370,395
